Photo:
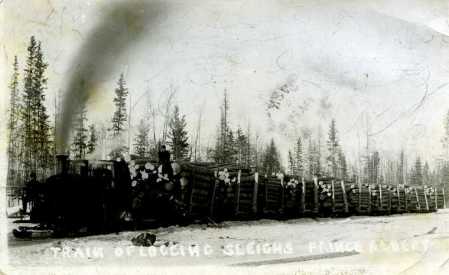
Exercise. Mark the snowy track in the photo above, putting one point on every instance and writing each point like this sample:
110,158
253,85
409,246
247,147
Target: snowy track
410,243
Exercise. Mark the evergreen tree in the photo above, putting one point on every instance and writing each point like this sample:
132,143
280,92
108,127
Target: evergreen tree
119,118
271,162
242,148
80,139
43,132
373,168
426,174
36,142
343,173
313,159
291,163
311,169
224,148
178,136
27,110
13,126
141,145
332,146
444,168
445,139
230,149
417,173
298,159
93,139
401,168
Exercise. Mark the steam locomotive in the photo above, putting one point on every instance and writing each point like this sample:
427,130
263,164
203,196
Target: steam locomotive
110,196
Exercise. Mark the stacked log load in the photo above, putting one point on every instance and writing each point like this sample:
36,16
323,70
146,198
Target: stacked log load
380,199
398,203
309,203
292,197
364,199
273,197
339,198
445,192
431,198
423,199
227,192
138,194
441,200
223,194
412,200
246,195
352,192
325,197
144,187
200,191
333,197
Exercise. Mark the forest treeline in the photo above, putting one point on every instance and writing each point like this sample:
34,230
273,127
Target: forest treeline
32,133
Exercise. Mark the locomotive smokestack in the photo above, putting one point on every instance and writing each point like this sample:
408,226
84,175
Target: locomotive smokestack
62,164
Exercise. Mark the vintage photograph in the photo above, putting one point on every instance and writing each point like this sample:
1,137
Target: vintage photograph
224,137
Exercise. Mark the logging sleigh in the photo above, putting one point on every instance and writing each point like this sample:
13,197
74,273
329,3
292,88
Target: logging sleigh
109,196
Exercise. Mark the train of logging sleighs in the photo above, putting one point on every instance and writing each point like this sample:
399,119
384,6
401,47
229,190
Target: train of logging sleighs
109,196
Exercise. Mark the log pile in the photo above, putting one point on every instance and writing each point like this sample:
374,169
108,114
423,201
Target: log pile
423,199
380,199
227,192
431,198
273,197
145,184
309,197
352,196
292,197
398,203
224,193
339,198
201,190
139,194
246,195
364,199
441,200
412,199
325,190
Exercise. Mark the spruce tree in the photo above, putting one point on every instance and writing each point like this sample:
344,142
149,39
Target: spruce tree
343,168
119,118
401,168
271,162
43,132
222,147
298,159
332,146
373,168
426,174
27,110
242,148
13,126
80,139
141,145
291,163
417,173
444,170
36,142
178,136
445,139
310,159
93,139
230,150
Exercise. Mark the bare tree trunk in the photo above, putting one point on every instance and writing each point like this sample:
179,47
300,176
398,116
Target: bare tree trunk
167,112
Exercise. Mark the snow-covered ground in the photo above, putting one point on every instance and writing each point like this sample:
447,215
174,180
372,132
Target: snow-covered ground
409,243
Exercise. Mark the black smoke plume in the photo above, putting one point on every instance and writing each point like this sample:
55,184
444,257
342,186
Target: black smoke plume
120,26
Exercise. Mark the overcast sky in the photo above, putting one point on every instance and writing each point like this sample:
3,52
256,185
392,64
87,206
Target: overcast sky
381,62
